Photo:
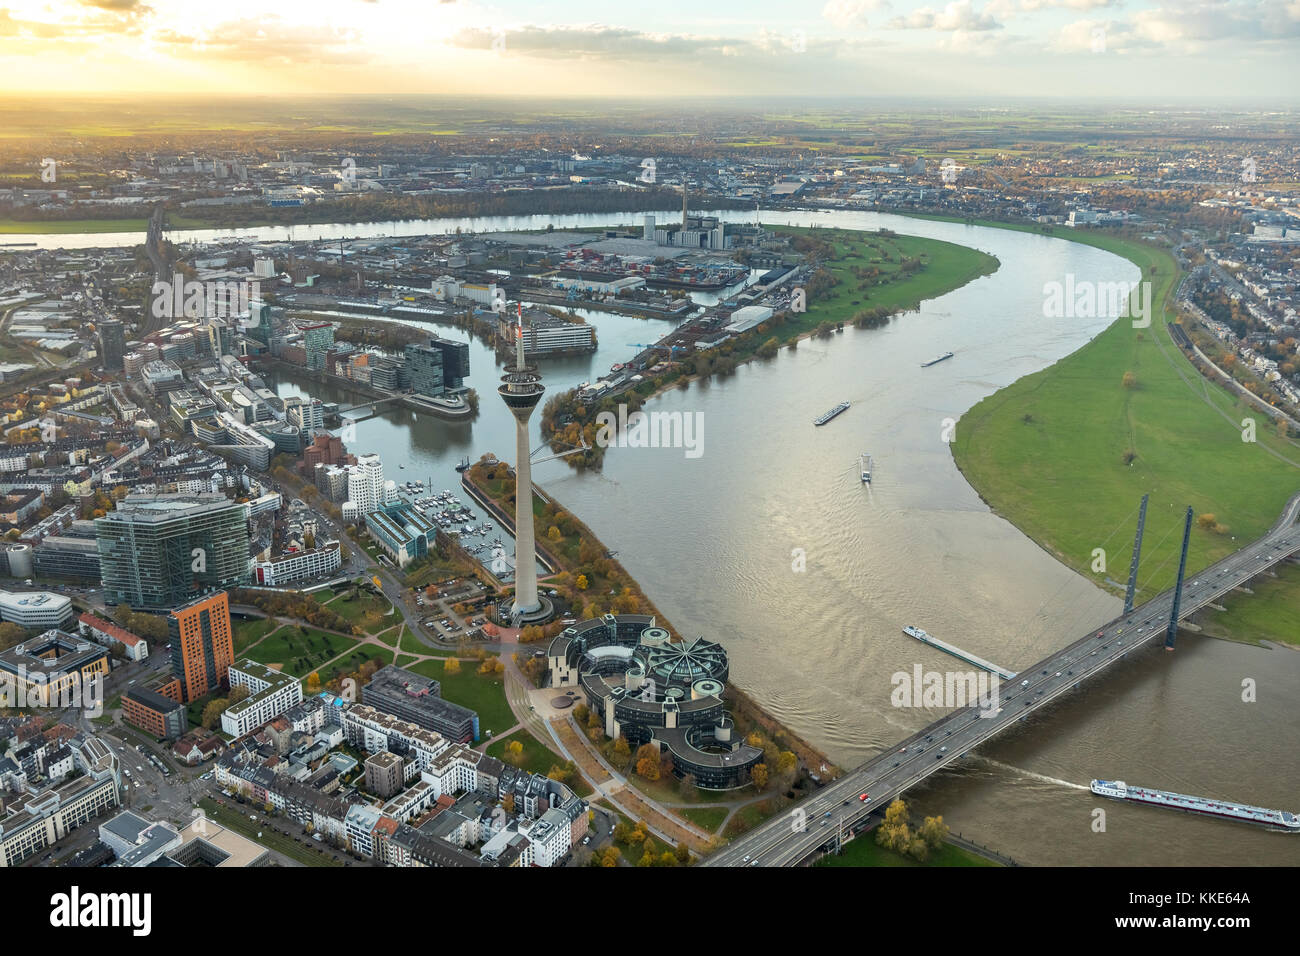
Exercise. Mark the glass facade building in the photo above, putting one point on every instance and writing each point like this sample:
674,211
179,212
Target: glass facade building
160,551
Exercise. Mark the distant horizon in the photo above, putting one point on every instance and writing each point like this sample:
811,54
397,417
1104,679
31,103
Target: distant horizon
1255,103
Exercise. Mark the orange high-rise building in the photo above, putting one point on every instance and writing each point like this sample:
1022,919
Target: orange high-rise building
203,646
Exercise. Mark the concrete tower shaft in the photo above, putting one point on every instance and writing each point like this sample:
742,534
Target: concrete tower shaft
521,389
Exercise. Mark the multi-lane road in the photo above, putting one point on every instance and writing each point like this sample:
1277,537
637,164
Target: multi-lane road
790,839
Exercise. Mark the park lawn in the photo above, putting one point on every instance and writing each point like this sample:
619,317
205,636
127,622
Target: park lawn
485,696
410,643
370,611
300,650
1272,613
667,789
404,660
351,663
709,818
1047,451
251,630
536,758
864,851
746,818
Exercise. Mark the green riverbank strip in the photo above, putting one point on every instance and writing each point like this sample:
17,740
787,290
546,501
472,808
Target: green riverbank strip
10,227
1050,453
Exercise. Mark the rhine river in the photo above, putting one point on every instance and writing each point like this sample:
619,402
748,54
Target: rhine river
718,541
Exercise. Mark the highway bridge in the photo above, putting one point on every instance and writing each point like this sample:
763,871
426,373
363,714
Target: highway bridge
837,809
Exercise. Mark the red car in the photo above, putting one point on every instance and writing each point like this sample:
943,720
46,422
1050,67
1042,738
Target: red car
865,797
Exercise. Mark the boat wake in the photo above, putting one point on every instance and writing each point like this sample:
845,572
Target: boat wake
1020,771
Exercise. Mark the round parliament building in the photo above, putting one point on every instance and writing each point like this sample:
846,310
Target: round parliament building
648,688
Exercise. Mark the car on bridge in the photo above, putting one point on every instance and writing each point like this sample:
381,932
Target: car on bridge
864,797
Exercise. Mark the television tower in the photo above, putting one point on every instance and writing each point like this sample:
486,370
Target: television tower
521,389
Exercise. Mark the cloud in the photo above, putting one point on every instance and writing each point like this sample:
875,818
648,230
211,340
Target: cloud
958,15
1193,27
1033,5
851,13
1100,37
269,40
594,41
117,6
1198,24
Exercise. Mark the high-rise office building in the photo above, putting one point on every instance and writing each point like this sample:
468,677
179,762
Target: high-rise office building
366,484
159,551
112,344
306,416
434,368
455,361
424,369
202,643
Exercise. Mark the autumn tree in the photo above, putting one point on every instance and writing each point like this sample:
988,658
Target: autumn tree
647,761
514,753
895,833
934,832
212,713
11,634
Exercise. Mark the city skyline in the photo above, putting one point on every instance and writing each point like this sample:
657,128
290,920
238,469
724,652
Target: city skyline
1067,48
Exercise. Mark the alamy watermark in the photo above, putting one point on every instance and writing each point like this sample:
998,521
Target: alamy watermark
231,298
651,430
1075,299
948,689
19,691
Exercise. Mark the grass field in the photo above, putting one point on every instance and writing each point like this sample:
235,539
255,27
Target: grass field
947,266
535,758
410,643
484,695
21,227
708,818
299,651
1272,613
249,631
371,612
864,851
353,661
745,819
1048,452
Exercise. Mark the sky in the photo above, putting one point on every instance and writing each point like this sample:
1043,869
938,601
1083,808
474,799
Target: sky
1083,49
